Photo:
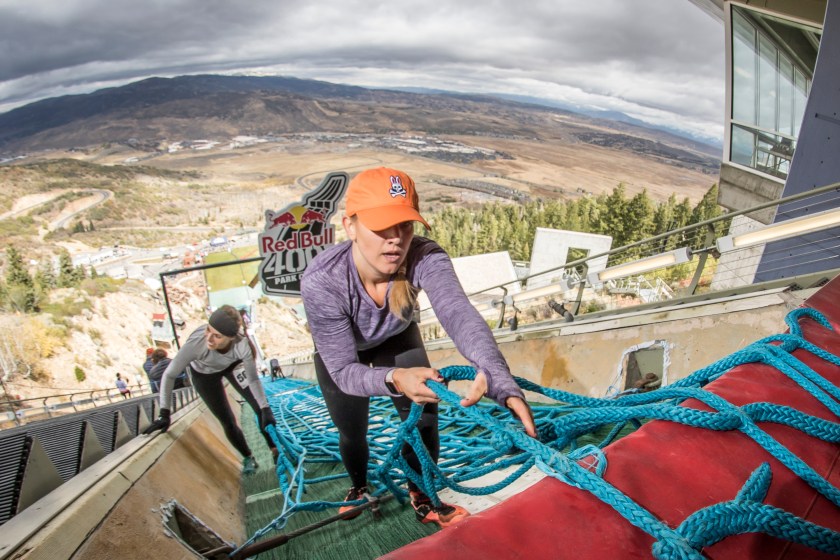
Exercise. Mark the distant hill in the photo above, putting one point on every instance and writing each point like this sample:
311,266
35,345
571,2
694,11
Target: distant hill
619,117
148,113
615,116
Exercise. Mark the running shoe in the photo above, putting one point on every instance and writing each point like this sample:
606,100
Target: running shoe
354,494
249,465
444,515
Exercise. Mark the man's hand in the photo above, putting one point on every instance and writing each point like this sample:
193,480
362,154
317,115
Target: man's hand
162,423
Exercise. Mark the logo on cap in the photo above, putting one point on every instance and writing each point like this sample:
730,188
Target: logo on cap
397,188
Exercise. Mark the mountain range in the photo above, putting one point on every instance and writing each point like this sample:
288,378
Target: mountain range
150,112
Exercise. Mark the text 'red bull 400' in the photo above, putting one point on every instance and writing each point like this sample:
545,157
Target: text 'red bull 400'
294,235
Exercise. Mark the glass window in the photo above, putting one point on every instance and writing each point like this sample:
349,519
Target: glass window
801,87
766,84
770,85
743,146
786,123
743,70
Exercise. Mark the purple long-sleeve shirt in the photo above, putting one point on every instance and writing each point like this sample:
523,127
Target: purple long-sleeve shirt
344,319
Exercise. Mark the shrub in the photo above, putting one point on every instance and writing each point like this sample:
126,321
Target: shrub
95,335
24,342
80,374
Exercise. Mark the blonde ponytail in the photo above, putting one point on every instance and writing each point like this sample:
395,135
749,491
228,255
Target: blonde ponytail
403,295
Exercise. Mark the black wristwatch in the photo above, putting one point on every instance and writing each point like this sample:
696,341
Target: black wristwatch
389,382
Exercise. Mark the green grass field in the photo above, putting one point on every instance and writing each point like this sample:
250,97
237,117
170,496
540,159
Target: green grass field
236,275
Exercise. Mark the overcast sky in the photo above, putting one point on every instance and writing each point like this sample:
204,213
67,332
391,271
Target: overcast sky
658,60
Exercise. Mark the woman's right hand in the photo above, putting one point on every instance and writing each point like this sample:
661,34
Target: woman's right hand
411,382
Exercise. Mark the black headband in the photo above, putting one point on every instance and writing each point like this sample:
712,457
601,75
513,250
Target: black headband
224,323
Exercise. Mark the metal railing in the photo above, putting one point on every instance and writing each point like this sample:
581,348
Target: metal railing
706,271
21,411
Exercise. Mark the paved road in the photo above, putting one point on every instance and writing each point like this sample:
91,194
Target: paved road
101,193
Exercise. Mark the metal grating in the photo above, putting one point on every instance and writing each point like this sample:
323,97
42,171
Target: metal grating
62,445
11,450
62,440
104,424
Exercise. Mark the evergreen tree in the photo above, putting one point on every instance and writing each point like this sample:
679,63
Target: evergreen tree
555,214
663,215
20,288
16,273
708,209
639,217
45,276
613,220
66,270
681,218
573,215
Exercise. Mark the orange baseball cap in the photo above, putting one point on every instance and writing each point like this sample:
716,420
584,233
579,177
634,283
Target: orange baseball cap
383,197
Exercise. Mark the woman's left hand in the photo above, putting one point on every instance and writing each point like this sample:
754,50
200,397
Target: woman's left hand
522,411
516,405
477,390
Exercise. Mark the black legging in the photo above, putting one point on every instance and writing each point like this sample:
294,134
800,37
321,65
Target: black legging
350,413
211,390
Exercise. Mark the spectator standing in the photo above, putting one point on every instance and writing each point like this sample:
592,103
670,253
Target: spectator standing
160,361
147,367
123,387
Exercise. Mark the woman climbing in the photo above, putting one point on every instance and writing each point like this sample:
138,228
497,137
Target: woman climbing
359,298
216,351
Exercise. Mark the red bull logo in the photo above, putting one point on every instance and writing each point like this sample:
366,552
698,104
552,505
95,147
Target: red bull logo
296,234
296,217
298,240
311,216
284,219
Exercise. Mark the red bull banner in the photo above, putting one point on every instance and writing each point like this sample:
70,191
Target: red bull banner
294,235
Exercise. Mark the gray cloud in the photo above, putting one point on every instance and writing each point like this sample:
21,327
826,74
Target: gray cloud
661,61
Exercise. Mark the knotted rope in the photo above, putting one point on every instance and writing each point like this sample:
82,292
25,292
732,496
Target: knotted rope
484,438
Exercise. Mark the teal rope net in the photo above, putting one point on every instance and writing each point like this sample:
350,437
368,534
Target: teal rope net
571,436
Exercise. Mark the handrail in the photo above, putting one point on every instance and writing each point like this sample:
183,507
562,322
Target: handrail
702,243
17,406
666,235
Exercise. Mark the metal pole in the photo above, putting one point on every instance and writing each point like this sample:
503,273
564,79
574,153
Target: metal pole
169,312
163,276
280,540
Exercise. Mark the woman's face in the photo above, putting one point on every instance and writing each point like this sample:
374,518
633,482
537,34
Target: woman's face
216,340
379,254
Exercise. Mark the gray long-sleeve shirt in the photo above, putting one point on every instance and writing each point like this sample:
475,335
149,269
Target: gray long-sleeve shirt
202,360
344,319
